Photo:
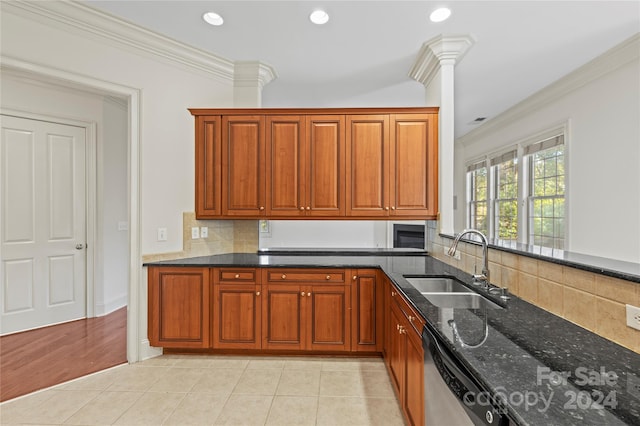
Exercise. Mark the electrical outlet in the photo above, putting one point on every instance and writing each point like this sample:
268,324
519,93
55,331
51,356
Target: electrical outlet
204,231
195,233
162,234
633,317
455,256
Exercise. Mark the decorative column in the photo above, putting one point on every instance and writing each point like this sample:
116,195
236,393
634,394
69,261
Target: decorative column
249,77
434,68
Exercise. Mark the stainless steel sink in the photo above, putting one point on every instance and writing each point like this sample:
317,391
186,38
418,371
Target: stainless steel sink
438,285
460,300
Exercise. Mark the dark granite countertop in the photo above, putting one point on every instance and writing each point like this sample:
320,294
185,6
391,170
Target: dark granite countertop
526,348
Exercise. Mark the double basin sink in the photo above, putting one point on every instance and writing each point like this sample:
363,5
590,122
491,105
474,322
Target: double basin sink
445,292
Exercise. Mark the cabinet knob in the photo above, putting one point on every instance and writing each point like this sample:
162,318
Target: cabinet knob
261,207
308,208
393,293
355,277
237,275
257,293
386,208
411,318
397,326
328,277
302,293
393,208
302,208
403,330
308,294
284,276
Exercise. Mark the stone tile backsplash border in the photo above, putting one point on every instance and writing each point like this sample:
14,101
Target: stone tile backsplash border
593,301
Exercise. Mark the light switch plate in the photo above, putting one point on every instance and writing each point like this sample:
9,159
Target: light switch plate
633,317
162,234
204,231
195,233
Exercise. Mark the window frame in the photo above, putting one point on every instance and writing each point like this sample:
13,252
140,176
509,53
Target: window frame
524,150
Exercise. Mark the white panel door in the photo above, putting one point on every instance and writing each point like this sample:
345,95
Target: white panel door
43,223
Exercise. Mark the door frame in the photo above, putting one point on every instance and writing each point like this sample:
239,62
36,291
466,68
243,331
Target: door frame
91,220
132,95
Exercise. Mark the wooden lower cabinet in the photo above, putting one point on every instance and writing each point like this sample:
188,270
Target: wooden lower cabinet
306,317
237,308
179,307
405,358
367,311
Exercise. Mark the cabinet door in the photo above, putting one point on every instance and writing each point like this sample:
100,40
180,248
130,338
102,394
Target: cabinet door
237,317
414,165
283,322
413,405
329,324
285,166
208,167
326,165
367,165
366,312
179,301
396,352
243,164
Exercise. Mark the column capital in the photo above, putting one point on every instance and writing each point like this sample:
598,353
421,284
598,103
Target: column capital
440,50
249,77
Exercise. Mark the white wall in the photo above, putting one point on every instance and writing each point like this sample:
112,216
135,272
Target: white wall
324,234
166,127
603,159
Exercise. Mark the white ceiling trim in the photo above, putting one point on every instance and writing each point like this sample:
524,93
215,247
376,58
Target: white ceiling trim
614,58
121,32
438,49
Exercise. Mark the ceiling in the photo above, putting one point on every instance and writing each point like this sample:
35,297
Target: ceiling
362,56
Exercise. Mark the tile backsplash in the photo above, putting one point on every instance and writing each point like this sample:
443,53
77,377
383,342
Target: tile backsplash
593,301
225,236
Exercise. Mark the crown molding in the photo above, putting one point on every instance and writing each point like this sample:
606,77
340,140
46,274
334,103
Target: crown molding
253,74
609,61
436,51
79,16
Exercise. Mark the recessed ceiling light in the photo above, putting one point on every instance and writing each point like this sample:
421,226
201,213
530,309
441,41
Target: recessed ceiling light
213,18
440,15
319,17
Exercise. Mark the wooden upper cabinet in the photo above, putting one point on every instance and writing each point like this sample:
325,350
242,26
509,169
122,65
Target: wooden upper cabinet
286,166
414,165
326,165
243,165
305,166
364,163
367,165
208,167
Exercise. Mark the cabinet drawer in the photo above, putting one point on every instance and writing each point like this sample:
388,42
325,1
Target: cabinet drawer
415,319
238,276
331,276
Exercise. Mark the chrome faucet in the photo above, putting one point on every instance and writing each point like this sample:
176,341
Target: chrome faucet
482,278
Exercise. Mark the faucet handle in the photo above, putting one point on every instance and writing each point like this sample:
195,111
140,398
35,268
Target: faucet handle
502,291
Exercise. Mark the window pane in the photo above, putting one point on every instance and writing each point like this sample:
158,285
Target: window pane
546,215
506,200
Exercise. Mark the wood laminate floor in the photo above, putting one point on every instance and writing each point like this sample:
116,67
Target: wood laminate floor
47,356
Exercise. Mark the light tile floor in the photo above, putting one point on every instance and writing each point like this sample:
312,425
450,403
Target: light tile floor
218,390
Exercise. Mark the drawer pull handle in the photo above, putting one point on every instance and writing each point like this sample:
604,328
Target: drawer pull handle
328,277
411,318
393,293
284,276
237,275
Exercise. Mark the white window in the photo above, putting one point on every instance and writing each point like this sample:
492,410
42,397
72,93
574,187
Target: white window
477,196
518,196
505,199
546,193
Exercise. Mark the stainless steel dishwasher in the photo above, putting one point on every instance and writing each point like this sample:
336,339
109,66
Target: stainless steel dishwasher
452,397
